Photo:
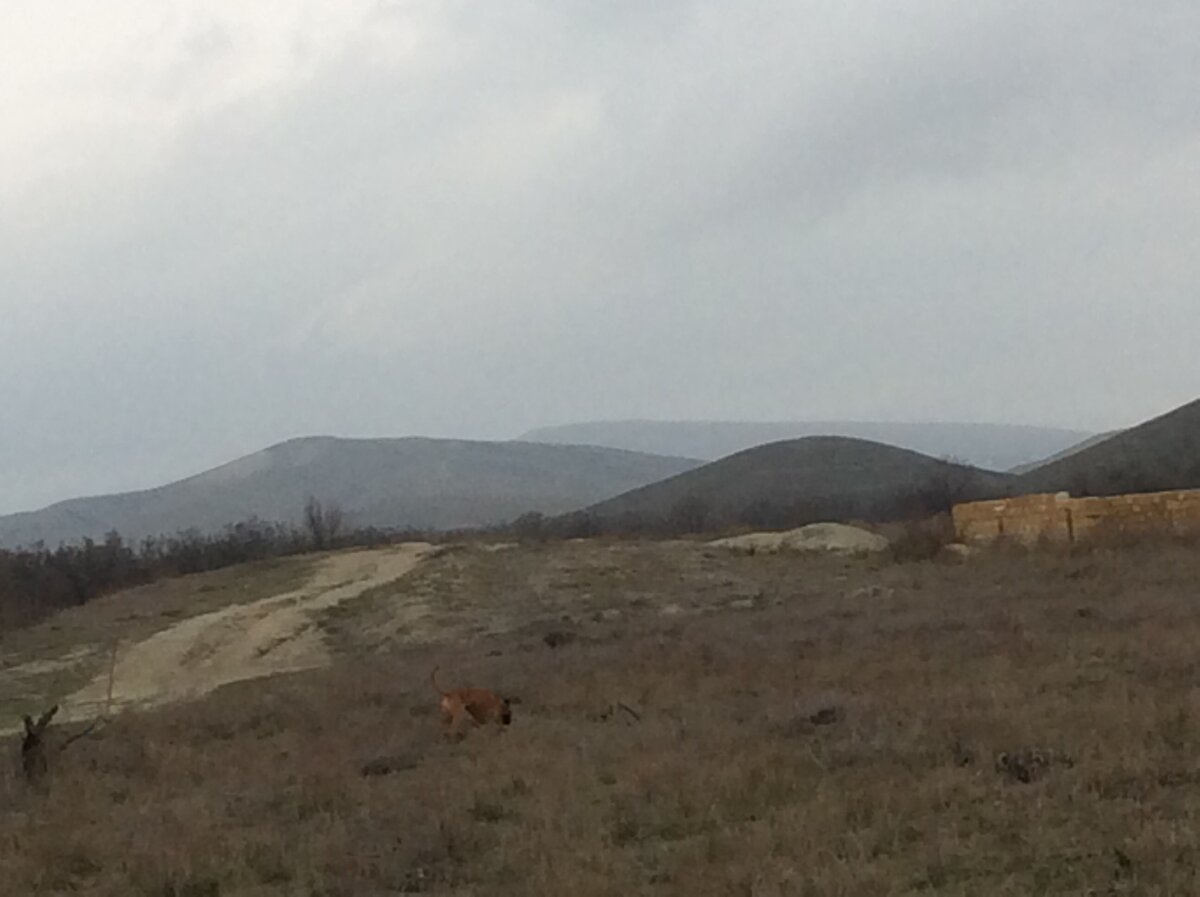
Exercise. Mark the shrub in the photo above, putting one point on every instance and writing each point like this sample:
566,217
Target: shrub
921,540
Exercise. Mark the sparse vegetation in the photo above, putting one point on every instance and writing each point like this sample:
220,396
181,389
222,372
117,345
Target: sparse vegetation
1018,724
920,540
37,582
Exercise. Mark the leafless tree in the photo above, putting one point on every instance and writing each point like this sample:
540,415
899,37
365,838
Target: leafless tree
323,522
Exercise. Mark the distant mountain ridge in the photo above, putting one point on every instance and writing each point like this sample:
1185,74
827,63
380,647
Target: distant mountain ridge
997,447
411,481
447,483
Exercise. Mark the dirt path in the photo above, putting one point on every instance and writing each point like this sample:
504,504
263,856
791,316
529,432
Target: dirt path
273,635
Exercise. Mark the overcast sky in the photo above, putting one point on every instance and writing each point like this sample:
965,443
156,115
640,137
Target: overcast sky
225,224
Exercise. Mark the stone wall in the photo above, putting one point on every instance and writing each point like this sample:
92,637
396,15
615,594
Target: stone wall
1060,518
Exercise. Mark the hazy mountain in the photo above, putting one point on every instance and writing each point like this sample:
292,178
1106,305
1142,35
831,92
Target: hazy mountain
1163,453
823,477
437,483
990,446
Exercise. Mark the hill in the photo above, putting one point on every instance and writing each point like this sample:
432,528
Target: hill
817,477
418,482
990,446
1163,453
1065,453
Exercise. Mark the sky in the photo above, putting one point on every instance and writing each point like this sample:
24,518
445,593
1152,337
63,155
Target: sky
226,224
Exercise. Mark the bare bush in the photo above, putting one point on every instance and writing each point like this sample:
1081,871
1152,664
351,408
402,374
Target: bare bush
921,540
323,522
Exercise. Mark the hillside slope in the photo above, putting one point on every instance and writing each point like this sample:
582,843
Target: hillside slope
990,446
817,477
436,483
1065,453
1163,453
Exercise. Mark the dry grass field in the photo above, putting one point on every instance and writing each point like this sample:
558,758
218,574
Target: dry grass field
690,721
62,653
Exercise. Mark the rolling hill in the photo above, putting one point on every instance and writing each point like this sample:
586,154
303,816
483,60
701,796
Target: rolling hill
1163,453
433,483
1065,453
990,446
816,477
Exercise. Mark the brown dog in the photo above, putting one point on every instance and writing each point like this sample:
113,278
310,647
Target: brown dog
462,707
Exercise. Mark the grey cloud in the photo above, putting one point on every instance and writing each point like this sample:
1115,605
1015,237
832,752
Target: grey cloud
579,210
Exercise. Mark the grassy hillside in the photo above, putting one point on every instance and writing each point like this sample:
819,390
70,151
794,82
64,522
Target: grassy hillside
1065,453
708,724
434,483
990,446
1163,453
818,477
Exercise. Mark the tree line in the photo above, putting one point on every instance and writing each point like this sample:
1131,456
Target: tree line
37,581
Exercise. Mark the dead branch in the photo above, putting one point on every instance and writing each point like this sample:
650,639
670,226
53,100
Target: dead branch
33,746
92,727
637,716
112,673
34,755
106,716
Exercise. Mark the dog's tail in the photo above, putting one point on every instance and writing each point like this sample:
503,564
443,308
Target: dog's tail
433,681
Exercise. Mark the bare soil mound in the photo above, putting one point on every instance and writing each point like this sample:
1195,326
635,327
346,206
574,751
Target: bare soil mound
828,537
